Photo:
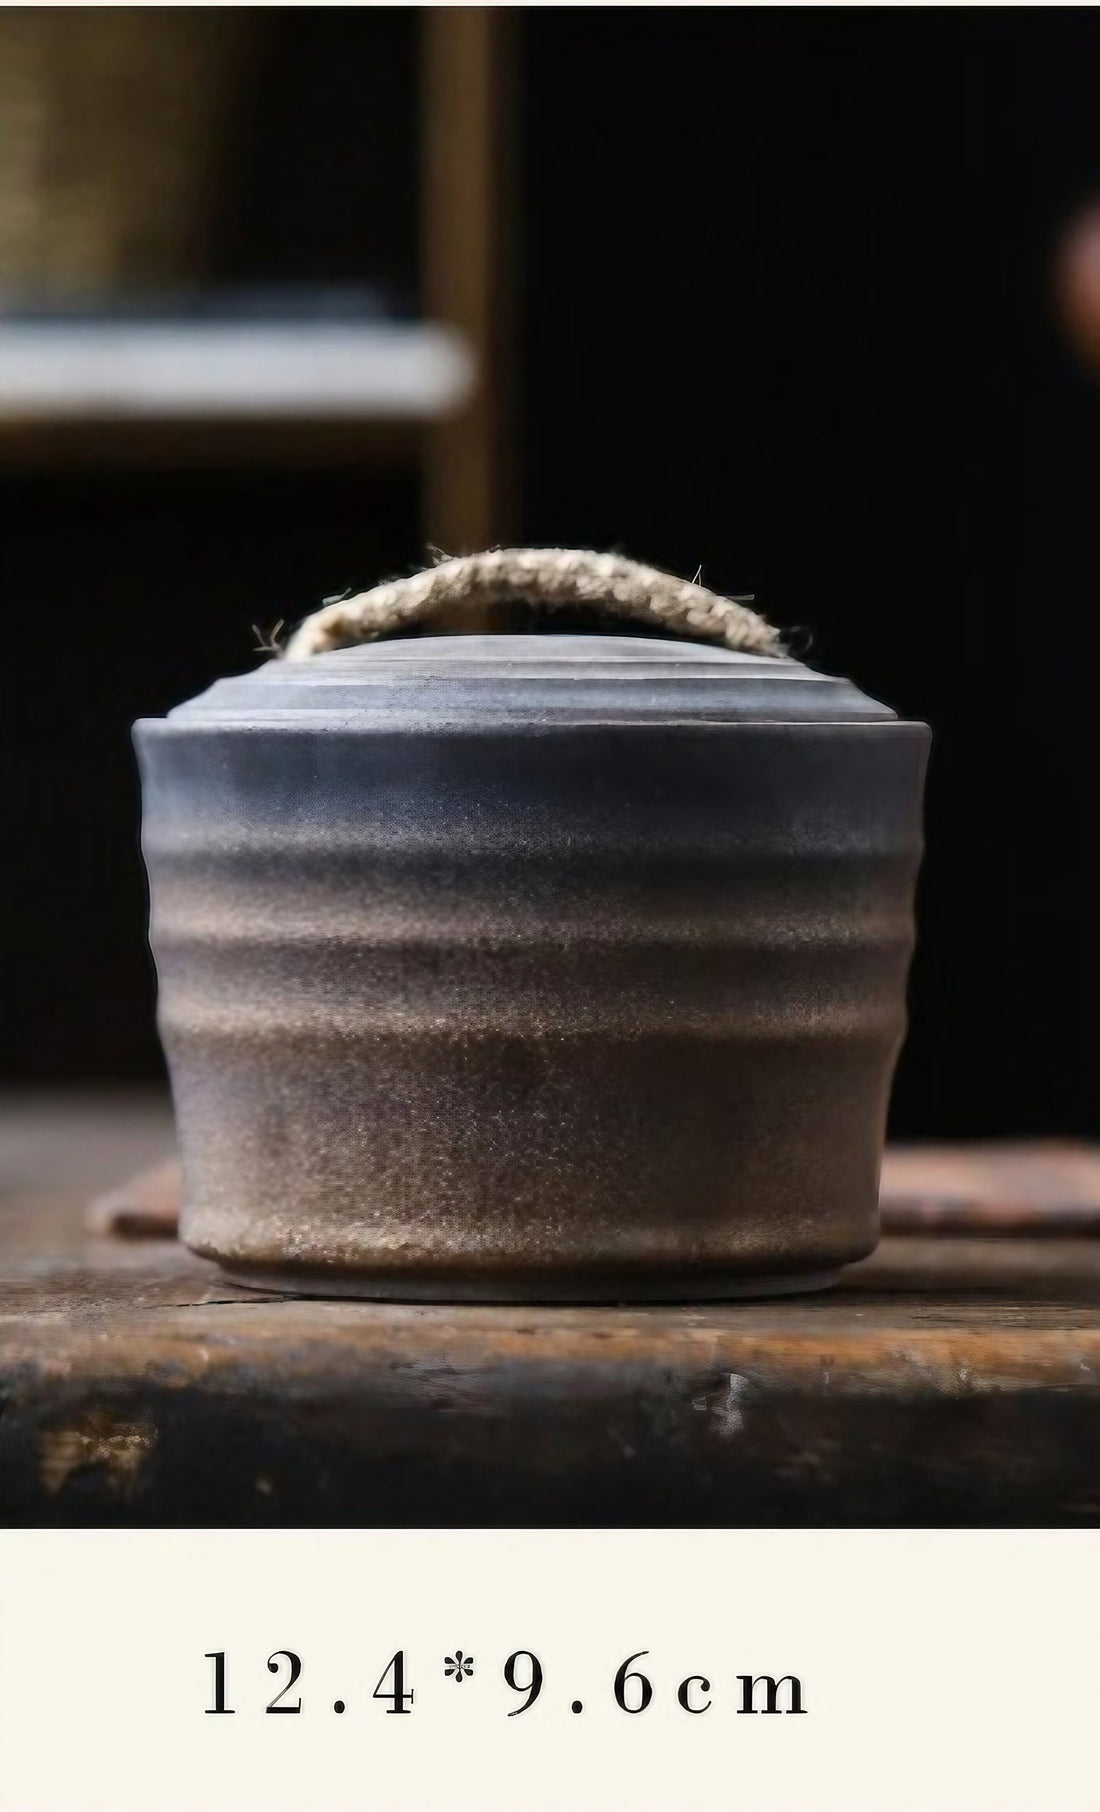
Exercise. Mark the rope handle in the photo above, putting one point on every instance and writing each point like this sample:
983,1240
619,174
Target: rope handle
554,577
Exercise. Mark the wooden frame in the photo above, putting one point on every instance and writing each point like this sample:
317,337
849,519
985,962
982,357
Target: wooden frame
470,488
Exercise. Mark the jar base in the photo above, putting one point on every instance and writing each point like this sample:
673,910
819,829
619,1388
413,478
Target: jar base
373,1288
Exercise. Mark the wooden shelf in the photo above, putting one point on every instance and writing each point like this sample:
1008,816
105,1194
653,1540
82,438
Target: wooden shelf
218,392
162,371
252,389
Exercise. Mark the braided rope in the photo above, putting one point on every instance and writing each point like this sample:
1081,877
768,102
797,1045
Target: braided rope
554,577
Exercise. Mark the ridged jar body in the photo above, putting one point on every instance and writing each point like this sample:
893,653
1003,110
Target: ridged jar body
482,1001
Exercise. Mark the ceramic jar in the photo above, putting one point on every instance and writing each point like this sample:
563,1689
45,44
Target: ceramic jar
510,967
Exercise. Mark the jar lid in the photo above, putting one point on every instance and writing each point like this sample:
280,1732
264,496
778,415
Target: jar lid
482,680
347,667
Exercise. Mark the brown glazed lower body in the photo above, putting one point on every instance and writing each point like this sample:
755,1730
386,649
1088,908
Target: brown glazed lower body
532,1169
461,1022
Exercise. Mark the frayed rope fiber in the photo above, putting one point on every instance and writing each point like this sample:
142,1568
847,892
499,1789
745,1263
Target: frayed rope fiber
555,577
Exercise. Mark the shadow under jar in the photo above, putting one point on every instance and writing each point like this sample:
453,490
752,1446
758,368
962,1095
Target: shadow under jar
549,967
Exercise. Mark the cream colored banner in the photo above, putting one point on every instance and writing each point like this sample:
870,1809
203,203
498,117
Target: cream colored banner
484,1672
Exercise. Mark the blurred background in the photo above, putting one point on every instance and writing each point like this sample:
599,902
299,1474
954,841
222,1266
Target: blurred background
807,298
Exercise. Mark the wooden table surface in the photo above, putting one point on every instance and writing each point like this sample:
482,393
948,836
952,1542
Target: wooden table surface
947,1380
